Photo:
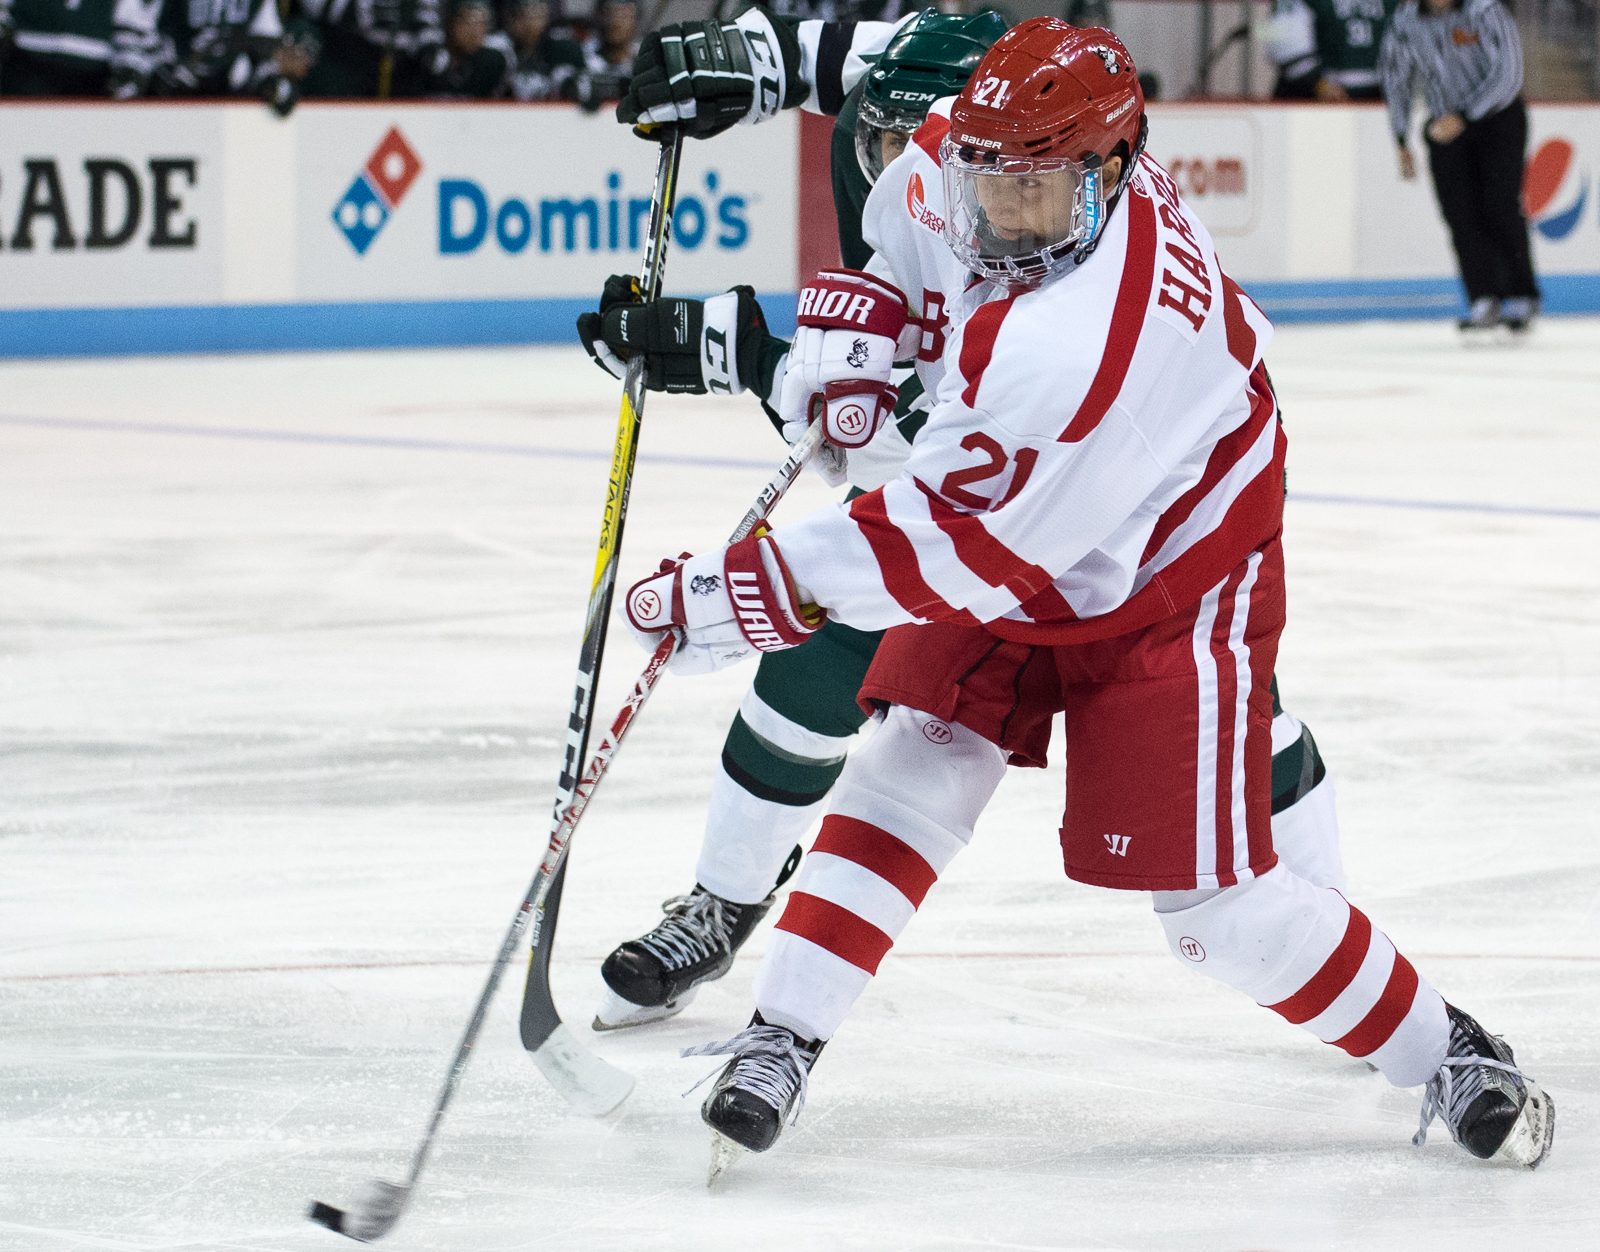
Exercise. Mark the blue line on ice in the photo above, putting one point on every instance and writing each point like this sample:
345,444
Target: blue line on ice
402,443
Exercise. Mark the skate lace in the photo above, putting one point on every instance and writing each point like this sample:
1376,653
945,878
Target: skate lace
695,927
770,1063
1459,1081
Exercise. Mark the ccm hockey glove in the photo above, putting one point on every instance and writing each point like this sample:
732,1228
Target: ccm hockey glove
708,76
688,345
850,328
724,606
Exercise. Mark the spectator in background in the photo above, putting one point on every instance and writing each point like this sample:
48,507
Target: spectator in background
608,51
381,48
1327,49
56,47
1468,59
175,48
547,66
480,58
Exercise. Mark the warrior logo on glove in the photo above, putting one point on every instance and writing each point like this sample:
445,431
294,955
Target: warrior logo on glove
851,420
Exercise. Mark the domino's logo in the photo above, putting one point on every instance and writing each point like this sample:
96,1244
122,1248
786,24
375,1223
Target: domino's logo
377,191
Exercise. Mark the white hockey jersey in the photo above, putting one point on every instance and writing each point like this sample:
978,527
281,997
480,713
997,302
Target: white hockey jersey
1102,450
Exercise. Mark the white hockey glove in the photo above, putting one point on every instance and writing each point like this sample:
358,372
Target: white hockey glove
693,346
850,330
724,606
709,76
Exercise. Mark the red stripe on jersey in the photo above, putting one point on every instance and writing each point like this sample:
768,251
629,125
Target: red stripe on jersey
1336,974
898,564
834,929
1258,728
1375,1029
876,850
1227,678
977,344
1127,318
1224,455
992,561
1241,338
931,134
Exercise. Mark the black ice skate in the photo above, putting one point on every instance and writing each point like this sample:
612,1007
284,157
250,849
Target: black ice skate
1493,1109
758,1092
1481,319
1517,314
655,976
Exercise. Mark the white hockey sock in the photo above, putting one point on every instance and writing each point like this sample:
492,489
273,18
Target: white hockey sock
1306,834
1314,959
1306,837
903,808
749,838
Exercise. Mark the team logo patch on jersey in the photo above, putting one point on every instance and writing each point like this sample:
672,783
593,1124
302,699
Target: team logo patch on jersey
917,206
859,355
704,584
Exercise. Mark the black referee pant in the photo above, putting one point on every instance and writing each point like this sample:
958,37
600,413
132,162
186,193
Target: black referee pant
1478,179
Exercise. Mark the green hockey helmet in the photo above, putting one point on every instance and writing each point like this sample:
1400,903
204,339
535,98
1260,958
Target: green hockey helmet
930,58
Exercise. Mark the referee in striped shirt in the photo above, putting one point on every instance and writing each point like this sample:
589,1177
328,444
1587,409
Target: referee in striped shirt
1468,60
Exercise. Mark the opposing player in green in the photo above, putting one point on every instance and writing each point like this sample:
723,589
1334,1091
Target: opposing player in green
788,742
1327,49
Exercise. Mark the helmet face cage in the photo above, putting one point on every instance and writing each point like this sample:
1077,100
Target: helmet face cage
1017,221
875,123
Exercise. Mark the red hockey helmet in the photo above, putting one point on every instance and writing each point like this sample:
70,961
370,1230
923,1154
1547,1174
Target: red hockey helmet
1030,135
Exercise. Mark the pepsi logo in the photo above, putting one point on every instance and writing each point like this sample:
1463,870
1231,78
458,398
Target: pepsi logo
1554,190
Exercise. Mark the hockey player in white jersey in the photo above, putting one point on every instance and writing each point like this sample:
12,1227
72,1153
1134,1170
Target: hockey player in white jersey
788,743
1089,524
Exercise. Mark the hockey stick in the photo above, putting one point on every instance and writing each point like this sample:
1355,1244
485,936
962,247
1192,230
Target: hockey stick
379,1207
584,1080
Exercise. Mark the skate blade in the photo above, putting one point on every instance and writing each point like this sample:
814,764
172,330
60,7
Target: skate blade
615,1013
1529,1141
724,1152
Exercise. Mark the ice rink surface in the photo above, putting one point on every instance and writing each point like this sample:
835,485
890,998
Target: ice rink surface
285,649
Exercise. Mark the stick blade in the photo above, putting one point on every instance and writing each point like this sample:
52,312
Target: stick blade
585,1081
372,1215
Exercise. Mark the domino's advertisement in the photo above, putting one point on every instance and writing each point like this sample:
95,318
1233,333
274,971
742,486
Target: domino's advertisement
448,202
219,227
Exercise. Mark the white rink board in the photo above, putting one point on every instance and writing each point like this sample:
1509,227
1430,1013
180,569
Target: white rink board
511,217
110,206
285,649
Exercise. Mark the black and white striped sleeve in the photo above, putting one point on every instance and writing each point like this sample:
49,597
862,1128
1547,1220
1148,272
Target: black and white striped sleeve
1397,68
1503,48
834,56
